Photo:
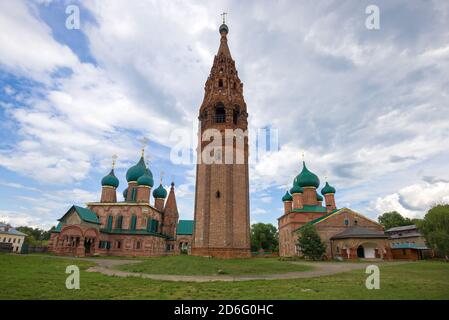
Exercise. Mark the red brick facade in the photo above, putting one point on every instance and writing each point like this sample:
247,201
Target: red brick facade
222,190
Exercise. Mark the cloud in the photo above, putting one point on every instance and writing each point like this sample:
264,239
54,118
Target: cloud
366,107
413,201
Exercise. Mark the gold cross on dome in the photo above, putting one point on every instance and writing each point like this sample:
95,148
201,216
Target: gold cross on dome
223,16
114,157
162,175
144,142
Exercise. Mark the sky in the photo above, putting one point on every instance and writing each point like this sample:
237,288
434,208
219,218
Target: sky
369,108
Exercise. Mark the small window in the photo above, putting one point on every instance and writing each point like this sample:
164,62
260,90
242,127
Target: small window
220,83
119,222
217,194
346,222
133,222
235,115
355,221
138,245
220,114
119,244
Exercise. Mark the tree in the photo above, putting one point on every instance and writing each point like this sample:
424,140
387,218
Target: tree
35,236
265,236
393,219
435,228
310,244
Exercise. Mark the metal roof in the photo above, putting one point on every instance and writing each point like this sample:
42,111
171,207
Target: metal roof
10,231
402,228
185,227
359,232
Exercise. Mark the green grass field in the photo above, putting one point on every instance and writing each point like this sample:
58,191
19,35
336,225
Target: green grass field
40,277
191,265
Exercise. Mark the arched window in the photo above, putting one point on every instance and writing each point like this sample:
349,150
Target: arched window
118,222
109,223
133,222
235,114
220,83
137,244
133,194
220,113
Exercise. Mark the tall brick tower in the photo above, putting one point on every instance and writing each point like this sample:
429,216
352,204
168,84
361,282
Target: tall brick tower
222,187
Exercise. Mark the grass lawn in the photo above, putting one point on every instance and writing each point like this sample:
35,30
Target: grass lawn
191,265
40,277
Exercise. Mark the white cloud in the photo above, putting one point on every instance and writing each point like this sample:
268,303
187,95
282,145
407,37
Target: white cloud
367,107
413,201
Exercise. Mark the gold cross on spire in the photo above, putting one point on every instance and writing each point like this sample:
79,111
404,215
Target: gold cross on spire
162,175
223,16
144,141
114,157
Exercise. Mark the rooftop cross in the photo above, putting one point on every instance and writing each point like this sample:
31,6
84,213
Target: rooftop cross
223,16
114,157
162,175
144,141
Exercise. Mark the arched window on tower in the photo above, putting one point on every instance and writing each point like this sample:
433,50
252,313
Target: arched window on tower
220,83
235,114
220,113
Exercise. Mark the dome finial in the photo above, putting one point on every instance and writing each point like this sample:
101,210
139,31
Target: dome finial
114,157
144,141
224,28
223,16
162,176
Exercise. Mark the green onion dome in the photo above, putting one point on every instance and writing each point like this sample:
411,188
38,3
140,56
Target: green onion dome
287,197
296,189
307,178
110,180
160,192
224,28
146,179
319,197
125,193
327,189
136,171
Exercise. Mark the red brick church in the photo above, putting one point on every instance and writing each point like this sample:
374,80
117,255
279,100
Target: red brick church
132,227
347,234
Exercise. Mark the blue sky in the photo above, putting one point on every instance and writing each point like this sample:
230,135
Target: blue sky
368,107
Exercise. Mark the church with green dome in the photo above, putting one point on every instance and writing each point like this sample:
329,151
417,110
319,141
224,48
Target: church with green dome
347,234
132,226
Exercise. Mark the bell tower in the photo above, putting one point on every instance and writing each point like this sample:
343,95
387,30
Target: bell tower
222,187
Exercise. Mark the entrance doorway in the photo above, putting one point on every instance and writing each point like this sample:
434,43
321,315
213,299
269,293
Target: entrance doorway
360,252
87,246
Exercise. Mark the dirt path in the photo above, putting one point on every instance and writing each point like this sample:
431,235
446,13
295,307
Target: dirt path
108,267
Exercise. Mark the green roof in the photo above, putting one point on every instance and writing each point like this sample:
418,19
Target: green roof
287,197
136,171
185,227
110,180
306,178
58,228
85,214
327,189
318,219
310,209
160,192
